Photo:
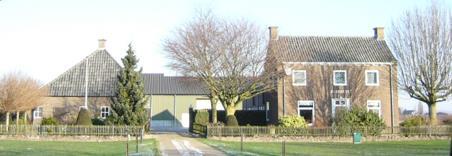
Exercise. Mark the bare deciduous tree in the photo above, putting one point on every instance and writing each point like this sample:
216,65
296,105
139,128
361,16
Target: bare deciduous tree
229,56
421,41
19,92
193,51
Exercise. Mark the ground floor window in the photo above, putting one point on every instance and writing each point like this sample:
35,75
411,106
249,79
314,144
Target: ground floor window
37,113
374,106
306,110
104,111
339,104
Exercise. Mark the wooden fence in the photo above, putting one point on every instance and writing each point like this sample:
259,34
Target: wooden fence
208,131
70,130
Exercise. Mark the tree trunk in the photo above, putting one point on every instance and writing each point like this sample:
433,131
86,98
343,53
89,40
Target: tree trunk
432,114
17,117
7,120
25,117
230,110
213,103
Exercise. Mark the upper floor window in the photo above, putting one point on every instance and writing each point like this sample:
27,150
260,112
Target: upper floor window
104,111
340,77
299,77
37,113
374,106
372,78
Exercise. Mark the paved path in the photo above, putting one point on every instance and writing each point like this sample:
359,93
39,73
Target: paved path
182,144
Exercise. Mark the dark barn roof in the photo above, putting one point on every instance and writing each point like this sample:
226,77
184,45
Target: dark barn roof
102,80
102,76
158,84
331,49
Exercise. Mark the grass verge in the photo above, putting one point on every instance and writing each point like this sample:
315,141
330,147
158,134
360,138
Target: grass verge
431,147
45,148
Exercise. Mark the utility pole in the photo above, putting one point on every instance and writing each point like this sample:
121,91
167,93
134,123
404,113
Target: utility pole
86,82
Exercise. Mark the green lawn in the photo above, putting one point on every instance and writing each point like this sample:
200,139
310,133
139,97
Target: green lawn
45,148
434,147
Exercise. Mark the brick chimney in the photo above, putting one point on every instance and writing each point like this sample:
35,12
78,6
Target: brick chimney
102,43
273,33
379,33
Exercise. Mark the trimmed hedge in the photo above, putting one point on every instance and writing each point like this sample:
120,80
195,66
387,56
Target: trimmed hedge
246,117
231,121
243,117
202,117
84,117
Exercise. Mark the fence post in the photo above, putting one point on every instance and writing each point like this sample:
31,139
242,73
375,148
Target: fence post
450,146
283,150
241,143
127,148
206,131
136,146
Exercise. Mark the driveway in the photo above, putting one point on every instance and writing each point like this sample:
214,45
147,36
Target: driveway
180,143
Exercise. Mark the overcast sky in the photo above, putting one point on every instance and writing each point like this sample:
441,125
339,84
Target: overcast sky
44,38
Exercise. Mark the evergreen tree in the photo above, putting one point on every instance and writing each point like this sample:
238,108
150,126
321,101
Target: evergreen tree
128,104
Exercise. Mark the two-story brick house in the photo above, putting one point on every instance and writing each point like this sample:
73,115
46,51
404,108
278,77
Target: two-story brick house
326,74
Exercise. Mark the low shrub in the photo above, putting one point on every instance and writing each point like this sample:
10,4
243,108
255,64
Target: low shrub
414,125
231,120
292,121
414,121
358,119
84,117
49,121
98,121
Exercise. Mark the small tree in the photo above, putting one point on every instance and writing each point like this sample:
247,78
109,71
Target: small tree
421,41
19,92
129,101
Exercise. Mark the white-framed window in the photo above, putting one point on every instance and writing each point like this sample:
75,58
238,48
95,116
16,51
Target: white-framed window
339,104
374,106
340,77
372,78
307,111
299,77
37,113
104,111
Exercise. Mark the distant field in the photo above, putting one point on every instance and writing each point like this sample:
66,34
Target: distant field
427,148
49,148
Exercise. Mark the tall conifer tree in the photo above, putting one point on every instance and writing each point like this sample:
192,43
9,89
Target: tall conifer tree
128,104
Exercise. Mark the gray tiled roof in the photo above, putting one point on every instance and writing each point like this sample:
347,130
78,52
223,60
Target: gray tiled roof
102,76
158,84
331,49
